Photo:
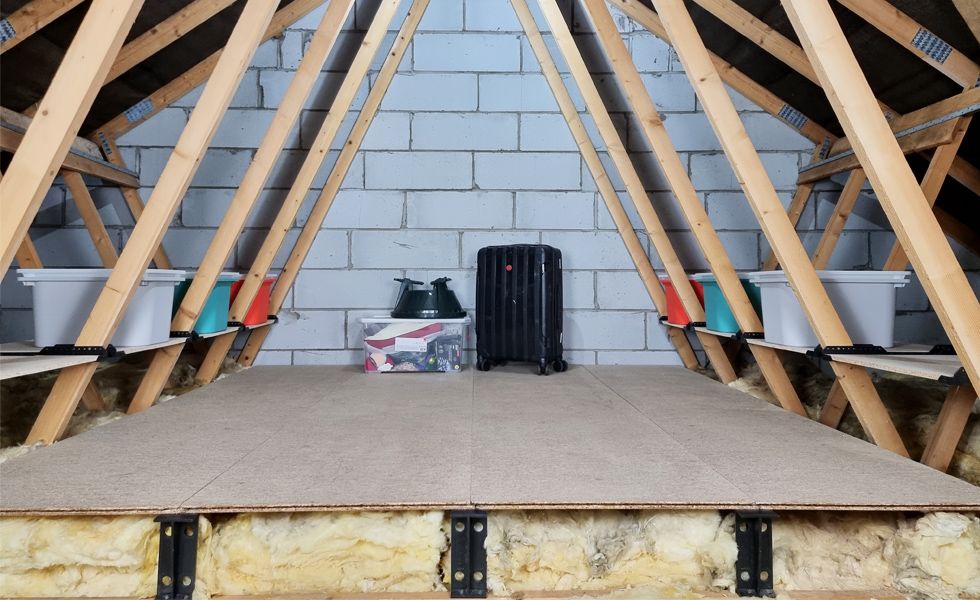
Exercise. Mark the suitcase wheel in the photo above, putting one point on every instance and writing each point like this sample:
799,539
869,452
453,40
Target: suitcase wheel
559,365
483,364
543,366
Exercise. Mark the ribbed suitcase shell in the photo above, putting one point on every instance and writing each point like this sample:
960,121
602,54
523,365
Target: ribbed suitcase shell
519,312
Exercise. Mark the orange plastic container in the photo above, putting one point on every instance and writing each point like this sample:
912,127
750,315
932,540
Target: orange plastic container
675,310
258,313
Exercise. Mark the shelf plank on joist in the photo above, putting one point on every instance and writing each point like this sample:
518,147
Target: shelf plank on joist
927,366
18,366
76,160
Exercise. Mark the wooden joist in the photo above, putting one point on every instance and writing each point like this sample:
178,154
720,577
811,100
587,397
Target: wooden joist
31,18
771,216
47,141
245,198
196,75
898,192
150,229
283,223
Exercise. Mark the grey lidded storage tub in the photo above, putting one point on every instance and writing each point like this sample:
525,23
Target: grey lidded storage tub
64,298
865,301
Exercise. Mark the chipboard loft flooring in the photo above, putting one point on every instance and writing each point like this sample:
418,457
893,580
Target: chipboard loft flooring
332,438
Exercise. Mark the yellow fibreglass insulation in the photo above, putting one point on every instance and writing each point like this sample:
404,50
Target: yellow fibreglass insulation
936,556
78,556
595,550
337,552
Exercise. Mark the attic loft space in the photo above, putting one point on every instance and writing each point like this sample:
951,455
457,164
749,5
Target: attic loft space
489,298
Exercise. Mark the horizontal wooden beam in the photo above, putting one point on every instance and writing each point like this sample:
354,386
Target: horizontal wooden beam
961,104
910,142
196,75
21,122
10,139
30,18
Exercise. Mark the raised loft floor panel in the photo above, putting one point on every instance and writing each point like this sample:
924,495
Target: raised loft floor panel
332,438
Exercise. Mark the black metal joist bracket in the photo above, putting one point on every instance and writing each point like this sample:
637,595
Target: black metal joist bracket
468,554
177,561
753,567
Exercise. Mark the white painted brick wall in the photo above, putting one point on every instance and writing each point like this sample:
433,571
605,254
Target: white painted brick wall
469,150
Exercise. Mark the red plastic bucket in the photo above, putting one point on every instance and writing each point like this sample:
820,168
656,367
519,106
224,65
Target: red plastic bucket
675,310
258,313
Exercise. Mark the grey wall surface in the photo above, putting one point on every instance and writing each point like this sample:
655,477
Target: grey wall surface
469,150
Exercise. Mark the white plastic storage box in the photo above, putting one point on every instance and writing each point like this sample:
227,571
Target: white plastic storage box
414,345
865,301
64,298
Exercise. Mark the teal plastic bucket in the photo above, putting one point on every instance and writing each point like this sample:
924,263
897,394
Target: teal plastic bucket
718,315
214,315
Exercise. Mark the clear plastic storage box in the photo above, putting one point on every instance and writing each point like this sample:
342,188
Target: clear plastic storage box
414,345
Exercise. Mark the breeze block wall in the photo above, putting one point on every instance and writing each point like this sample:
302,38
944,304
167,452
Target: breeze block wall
469,150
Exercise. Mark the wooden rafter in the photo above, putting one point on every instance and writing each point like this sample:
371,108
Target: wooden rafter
898,192
65,104
199,73
769,212
767,38
245,198
741,82
165,33
916,39
31,18
150,229
634,187
319,148
970,11
656,135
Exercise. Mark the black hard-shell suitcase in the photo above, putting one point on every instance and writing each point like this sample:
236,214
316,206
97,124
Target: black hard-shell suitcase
519,306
